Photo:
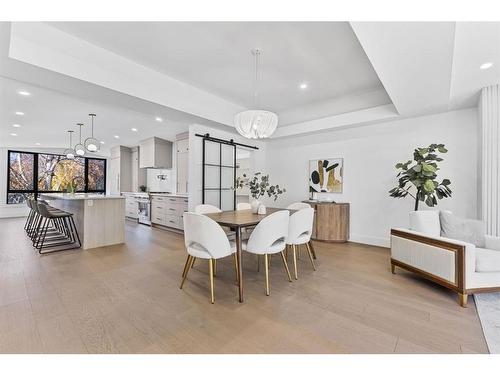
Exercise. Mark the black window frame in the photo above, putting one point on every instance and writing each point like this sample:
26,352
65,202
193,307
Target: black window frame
35,191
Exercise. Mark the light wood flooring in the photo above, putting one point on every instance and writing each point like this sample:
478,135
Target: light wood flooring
126,299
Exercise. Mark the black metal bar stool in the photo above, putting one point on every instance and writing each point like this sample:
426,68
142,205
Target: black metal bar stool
54,229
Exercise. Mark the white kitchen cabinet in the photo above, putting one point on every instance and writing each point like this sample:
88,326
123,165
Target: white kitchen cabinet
168,211
182,165
155,153
120,170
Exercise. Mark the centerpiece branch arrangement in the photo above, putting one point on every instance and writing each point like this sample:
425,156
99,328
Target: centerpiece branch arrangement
259,186
418,177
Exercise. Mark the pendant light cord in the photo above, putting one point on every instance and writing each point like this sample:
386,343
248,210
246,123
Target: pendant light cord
256,53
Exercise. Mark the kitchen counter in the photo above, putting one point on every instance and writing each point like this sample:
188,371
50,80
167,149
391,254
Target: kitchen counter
79,196
169,195
99,219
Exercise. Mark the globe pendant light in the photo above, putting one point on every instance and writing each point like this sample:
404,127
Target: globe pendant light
92,144
256,123
79,148
69,152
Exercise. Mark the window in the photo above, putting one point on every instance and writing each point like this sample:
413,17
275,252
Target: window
30,173
96,175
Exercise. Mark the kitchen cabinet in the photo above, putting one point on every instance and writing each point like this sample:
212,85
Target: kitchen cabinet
182,166
155,153
168,211
120,170
138,174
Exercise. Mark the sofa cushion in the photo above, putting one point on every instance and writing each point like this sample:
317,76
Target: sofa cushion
467,230
487,260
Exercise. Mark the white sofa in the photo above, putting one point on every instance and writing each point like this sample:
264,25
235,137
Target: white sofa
457,265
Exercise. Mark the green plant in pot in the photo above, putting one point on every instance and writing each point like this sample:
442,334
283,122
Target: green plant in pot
259,186
418,177
72,185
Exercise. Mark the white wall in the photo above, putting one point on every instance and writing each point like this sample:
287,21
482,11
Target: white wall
370,153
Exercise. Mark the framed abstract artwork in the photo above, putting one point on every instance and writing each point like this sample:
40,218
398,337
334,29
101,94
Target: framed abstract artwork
326,175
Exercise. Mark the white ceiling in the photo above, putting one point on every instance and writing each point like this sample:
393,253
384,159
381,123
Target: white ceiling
358,73
49,114
215,56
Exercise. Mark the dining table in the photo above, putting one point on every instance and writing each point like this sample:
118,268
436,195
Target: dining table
236,220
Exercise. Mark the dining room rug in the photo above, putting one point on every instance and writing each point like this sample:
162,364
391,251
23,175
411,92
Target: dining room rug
488,309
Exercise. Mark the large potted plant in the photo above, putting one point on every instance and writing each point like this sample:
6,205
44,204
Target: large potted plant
418,177
259,186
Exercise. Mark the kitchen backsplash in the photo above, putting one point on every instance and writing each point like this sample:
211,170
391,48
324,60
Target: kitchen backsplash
159,180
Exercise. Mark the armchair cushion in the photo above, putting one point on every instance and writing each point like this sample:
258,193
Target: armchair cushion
467,230
487,260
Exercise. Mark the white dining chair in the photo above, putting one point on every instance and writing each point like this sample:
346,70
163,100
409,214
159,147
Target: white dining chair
205,239
299,233
210,209
298,206
243,206
269,237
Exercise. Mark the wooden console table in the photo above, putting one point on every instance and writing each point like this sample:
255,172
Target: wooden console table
331,221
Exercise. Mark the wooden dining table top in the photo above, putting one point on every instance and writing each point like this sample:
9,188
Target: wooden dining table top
242,218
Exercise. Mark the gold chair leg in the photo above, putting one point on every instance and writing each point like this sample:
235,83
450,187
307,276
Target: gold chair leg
286,252
462,299
393,268
266,262
309,252
236,268
192,264
312,249
258,263
186,265
189,265
286,266
211,272
215,267
294,248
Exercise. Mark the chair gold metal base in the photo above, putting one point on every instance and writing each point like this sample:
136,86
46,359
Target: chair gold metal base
212,271
295,250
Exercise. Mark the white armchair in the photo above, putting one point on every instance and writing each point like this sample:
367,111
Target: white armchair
454,264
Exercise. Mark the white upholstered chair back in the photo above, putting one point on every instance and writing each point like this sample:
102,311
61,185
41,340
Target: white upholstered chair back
426,222
204,238
243,206
269,234
300,226
298,206
206,209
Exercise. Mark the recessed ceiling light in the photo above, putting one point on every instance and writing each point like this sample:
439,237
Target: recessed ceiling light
486,65
134,129
13,134
24,93
303,86
16,125
159,119
20,113
37,143
102,142
117,136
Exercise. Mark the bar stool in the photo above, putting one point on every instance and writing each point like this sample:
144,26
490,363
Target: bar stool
54,229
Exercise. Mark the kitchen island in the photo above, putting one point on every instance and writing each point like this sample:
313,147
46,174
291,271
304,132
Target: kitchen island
99,219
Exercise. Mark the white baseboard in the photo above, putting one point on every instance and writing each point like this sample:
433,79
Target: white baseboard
7,211
368,240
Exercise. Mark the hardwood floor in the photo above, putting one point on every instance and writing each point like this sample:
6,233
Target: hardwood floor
126,299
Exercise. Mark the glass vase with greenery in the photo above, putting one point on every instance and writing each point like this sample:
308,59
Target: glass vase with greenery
418,177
